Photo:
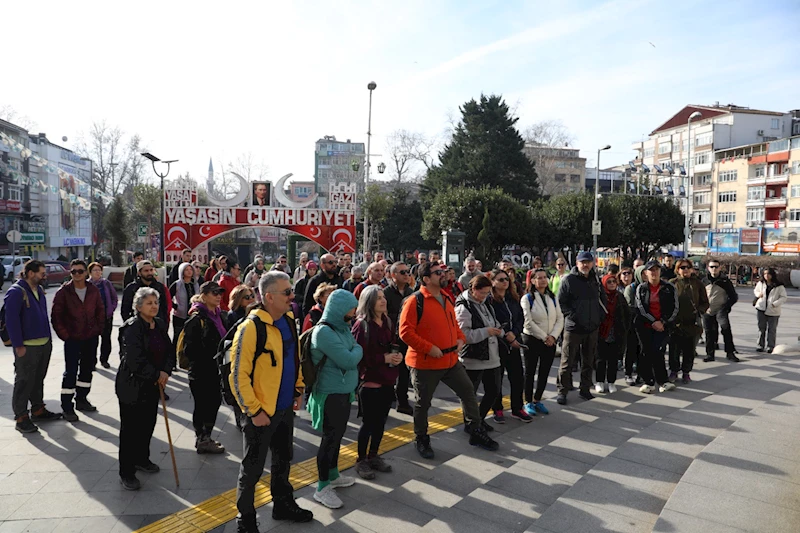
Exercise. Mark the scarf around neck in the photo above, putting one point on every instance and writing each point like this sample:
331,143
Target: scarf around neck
215,317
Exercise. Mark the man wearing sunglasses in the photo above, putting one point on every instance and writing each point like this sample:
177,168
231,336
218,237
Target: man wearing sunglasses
328,273
78,319
398,290
721,298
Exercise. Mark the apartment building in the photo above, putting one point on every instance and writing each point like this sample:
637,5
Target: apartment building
663,158
335,162
559,169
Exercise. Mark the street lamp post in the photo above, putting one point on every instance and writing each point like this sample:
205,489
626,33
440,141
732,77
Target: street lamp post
597,194
153,159
371,86
689,167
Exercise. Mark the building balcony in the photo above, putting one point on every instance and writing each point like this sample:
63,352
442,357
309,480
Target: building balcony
778,201
758,202
778,179
761,180
702,187
703,167
702,207
701,226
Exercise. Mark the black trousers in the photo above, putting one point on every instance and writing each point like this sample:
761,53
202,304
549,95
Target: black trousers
275,438
334,424
80,358
712,325
375,406
511,363
29,373
491,387
652,368
681,345
137,422
105,340
177,327
403,380
207,399
632,352
607,356
541,355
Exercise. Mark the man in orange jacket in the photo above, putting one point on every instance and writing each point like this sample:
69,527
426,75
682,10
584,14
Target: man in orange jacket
434,341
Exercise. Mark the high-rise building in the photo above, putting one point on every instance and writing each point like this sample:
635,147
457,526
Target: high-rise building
559,169
336,161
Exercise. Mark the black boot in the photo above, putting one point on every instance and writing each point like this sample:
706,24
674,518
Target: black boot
732,358
286,508
247,524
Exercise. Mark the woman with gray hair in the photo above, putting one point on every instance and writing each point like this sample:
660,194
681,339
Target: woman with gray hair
378,372
147,358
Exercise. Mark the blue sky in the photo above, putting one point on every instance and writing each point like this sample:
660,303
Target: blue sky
200,80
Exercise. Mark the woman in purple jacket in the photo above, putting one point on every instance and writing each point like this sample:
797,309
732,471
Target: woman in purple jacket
378,371
109,297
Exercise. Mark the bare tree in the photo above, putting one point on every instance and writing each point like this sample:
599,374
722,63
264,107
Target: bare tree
407,150
548,134
116,158
9,114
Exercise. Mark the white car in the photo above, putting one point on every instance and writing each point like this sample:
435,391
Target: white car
19,263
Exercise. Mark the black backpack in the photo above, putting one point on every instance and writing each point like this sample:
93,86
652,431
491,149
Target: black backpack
309,369
223,356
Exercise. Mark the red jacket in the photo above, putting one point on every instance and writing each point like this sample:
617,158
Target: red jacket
438,327
210,273
228,283
74,319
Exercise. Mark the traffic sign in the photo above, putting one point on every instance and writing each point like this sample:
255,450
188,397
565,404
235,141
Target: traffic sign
596,227
14,236
141,229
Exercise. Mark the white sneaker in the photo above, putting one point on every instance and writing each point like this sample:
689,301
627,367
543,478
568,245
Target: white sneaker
598,387
666,387
647,389
343,481
612,388
328,497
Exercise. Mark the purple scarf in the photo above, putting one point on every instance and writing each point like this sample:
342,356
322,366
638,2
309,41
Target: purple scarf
216,316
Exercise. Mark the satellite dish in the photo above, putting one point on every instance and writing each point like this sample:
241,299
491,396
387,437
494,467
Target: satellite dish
64,138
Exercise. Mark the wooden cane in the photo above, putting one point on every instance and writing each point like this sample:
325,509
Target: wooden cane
169,436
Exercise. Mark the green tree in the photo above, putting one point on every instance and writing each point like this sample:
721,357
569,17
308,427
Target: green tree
116,223
485,151
465,208
566,220
483,235
646,223
402,228
378,206
147,203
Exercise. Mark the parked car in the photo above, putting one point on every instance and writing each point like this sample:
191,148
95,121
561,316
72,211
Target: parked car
19,263
55,273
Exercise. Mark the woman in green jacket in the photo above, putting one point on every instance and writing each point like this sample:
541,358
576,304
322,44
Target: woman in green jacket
336,353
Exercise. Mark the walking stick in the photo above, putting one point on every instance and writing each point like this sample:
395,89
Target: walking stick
169,436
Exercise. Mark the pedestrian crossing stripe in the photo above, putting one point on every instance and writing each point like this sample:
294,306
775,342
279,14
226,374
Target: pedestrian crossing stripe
221,509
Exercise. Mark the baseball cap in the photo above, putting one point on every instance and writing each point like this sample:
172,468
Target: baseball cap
652,264
585,256
209,287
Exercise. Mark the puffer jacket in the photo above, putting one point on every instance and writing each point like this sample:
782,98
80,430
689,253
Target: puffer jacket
582,300
339,374
482,351
770,305
540,321
438,327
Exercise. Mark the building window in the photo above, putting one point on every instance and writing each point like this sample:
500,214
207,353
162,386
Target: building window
775,124
704,139
795,191
702,158
727,196
761,172
561,164
702,179
702,198
686,145
755,214
794,215
756,193
575,178
728,217
15,192
796,167
648,152
702,217
664,148
561,177
728,175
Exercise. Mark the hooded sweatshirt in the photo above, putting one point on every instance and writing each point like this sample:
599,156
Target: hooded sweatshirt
339,374
181,295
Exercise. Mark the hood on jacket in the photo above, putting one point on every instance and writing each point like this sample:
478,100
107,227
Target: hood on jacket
181,268
637,274
339,303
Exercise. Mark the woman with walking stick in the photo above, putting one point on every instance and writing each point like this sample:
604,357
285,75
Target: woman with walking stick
147,359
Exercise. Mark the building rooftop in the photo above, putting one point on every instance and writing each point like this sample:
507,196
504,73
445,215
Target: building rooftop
682,116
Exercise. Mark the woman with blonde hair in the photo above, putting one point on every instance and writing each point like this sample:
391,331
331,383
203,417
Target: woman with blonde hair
242,296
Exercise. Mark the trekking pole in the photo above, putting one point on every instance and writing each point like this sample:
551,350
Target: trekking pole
169,437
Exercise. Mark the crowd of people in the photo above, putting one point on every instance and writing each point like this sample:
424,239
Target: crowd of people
332,333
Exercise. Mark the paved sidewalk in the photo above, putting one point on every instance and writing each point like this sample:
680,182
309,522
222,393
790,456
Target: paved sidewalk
718,455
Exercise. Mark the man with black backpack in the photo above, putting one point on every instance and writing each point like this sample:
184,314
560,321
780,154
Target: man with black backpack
267,385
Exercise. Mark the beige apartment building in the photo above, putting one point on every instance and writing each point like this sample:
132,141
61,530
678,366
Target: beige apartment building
559,169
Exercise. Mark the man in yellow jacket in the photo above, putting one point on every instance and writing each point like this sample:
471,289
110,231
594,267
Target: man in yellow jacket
267,395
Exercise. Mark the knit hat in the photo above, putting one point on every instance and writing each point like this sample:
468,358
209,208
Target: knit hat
310,265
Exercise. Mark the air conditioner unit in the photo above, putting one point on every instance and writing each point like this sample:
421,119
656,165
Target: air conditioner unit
760,132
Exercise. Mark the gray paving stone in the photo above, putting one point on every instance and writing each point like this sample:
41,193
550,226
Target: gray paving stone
463,474
46,525
425,497
637,476
620,427
25,482
674,522
568,515
586,445
387,514
452,520
508,511
662,450
551,464
617,498
534,486
751,460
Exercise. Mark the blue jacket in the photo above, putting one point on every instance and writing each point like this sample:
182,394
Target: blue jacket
22,322
339,374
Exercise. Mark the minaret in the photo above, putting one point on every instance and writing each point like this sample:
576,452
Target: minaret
210,180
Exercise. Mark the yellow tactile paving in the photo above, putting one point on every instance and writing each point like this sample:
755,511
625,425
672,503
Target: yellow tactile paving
221,509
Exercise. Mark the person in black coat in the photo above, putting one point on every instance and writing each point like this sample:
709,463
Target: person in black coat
328,273
132,271
147,359
145,278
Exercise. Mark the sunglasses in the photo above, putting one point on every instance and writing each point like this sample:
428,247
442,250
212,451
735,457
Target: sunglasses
329,262
438,272
684,267
77,271
500,280
286,292
625,273
248,297
218,292
404,272
713,266
561,264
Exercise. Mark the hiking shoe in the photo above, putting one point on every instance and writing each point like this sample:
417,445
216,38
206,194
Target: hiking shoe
540,408
673,377
499,417
666,387
379,465
105,364
709,359
328,498
561,399
287,509
206,445
522,416
72,416
686,378
586,395
486,427
343,481
424,446
364,470
24,425
647,389
482,439
149,468
733,359
85,406
130,483
43,415
405,410
629,380
599,387
530,409
612,388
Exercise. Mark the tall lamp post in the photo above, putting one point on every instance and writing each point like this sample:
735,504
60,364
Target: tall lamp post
689,177
371,86
597,195
153,159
